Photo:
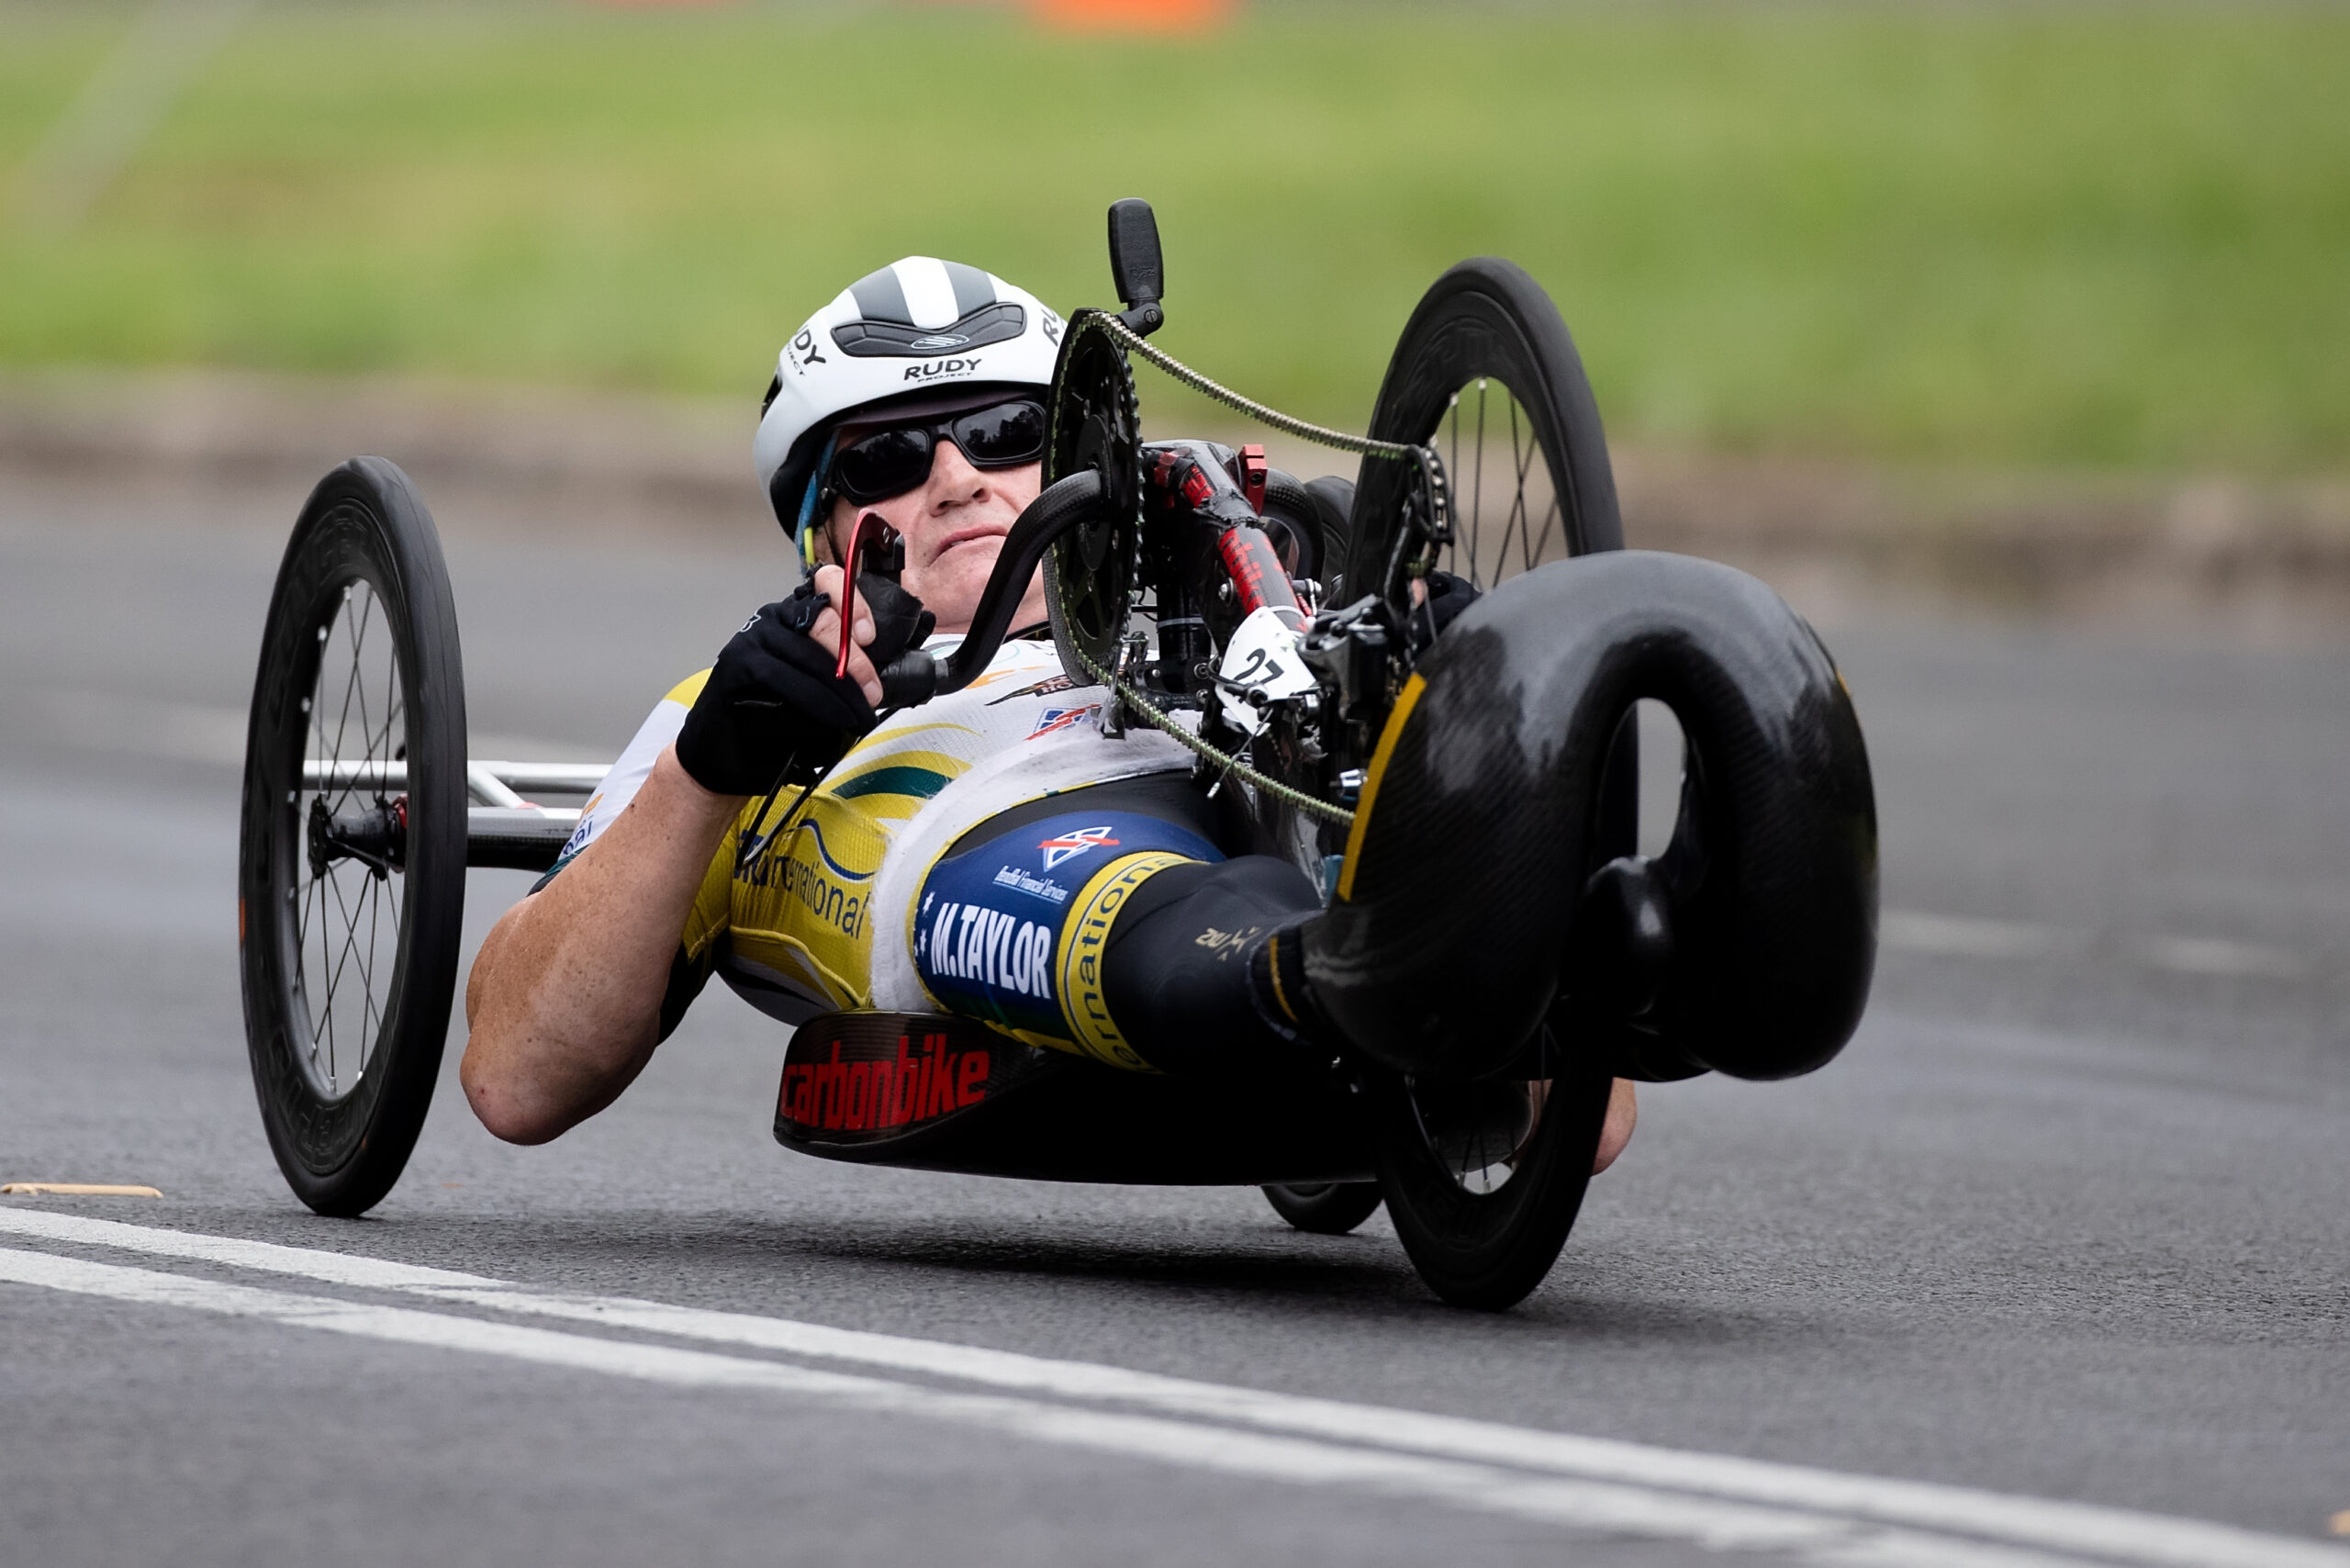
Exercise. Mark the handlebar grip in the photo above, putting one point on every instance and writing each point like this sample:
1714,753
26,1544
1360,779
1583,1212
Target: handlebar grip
911,681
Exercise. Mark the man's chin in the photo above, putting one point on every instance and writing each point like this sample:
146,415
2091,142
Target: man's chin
954,580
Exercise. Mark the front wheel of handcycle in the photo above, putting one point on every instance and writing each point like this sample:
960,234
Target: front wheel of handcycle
352,859
1484,1178
1486,373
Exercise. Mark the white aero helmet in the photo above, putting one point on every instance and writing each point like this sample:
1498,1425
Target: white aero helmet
919,328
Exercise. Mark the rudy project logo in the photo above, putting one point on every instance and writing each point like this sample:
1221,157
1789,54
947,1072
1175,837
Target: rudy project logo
1070,846
949,369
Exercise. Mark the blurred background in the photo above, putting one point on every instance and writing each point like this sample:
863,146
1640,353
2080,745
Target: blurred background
2011,340
2043,301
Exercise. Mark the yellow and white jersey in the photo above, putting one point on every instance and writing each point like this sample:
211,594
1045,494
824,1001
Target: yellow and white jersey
814,916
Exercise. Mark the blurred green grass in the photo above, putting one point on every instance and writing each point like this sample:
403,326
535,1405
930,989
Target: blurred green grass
2083,235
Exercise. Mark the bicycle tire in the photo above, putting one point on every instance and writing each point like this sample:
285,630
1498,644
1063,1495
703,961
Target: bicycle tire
1484,322
1325,1208
363,552
1488,1250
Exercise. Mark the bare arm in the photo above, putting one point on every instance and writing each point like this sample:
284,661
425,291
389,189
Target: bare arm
565,1000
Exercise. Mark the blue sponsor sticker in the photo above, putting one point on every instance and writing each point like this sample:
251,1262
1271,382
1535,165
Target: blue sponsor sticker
988,928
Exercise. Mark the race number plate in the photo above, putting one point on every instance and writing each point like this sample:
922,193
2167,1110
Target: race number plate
1262,656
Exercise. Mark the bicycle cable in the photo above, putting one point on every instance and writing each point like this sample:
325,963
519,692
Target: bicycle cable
1231,765
1431,466
1431,472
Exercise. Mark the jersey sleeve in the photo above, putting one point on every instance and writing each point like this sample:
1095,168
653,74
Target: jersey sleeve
627,776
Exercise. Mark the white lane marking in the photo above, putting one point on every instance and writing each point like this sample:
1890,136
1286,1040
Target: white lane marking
2058,1526
1598,1507
1959,935
2210,956
1965,937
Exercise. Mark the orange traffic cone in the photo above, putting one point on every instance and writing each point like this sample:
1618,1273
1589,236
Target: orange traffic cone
1133,16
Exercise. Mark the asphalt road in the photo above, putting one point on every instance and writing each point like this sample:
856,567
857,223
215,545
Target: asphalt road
2066,1221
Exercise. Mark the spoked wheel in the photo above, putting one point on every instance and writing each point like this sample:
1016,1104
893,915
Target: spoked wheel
1484,1179
1325,1208
1487,375
352,864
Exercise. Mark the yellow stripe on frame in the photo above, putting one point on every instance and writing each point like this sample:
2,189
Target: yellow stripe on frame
1386,748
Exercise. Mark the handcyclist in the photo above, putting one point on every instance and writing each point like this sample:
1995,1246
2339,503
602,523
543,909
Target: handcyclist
961,856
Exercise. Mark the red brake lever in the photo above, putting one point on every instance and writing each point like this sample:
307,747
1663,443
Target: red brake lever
848,589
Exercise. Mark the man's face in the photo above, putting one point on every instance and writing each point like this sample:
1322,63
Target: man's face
954,525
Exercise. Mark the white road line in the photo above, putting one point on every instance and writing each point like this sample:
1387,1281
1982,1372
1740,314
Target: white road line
1597,1507
2072,1529
1913,931
2211,955
1965,937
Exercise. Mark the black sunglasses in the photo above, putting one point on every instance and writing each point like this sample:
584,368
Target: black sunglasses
892,461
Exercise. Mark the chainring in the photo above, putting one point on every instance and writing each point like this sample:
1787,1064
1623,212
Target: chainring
1092,572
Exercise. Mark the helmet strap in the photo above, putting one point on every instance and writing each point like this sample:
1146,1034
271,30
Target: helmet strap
804,535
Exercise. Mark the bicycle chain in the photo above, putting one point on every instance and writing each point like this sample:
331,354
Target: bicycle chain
1431,473
1431,466
1129,407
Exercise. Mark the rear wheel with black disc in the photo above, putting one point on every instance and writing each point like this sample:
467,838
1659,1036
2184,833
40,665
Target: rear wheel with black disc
351,860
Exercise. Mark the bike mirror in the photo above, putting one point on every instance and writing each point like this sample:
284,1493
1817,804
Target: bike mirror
1135,266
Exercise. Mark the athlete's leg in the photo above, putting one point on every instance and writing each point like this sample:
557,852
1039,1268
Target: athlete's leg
1178,961
1108,921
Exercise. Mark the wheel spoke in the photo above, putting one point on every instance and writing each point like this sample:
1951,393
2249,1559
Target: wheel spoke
350,685
1477,501
341,933
1549,516
1452,417
372,1019
1525,465
334,981
359,672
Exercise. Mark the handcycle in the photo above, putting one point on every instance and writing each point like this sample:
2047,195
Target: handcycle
1279,631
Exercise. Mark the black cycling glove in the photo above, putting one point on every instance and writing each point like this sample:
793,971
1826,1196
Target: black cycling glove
772,704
